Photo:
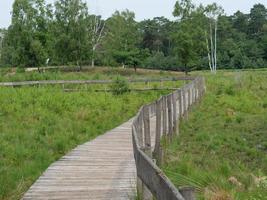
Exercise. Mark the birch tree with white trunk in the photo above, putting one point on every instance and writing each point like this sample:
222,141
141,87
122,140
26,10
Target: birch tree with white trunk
212,11
97,27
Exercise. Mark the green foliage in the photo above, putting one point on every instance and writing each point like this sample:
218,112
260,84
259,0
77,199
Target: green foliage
122,38
224,140
65,34
119,86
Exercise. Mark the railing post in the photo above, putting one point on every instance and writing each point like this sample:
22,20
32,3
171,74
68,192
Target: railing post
146,194
184,102
140,129
188,193
170,125
189,98
157,150
180,103
146,120
174,113
164,116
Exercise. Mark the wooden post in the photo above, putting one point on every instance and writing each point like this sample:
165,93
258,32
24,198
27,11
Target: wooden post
188,193
169,106
164,116
181,107
140,129
157,150
195,91
174,113
189,98
146,194
184,103
146,120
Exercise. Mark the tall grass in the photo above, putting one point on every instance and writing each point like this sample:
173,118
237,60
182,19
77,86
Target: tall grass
97,73
39,125
222,148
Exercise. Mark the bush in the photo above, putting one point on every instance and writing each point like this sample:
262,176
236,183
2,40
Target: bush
119,86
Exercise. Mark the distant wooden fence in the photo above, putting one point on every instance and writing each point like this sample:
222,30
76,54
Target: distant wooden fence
168,111
88,82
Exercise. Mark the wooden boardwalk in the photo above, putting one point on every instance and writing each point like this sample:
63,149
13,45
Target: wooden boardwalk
103,168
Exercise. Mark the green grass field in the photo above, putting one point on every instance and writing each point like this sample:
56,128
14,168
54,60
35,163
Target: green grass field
221,151
38,125
222,147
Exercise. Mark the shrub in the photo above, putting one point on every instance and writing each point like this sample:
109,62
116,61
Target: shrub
119,86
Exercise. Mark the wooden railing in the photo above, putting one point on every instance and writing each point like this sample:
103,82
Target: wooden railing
88,82
156,122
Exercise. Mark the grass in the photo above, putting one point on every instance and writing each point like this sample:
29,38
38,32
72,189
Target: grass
38,125
97,73
222,148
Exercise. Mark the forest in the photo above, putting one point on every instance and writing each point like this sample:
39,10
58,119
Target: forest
200,37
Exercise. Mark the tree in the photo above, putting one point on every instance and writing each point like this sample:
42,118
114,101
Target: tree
1,42
27,29
240,21
189,35
156,35
258,17
96,33
212,11
70,31
122,38
37,54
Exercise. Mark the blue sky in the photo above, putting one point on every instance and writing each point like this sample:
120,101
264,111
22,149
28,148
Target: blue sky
144,9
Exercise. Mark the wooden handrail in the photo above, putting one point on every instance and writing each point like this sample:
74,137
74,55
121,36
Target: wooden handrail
79,82
168,111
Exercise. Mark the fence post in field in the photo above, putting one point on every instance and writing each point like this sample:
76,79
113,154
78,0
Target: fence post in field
188,193
189,98
140,129
146,194
164,116
180,103
170,125
174,113
146,120
185,100
157,151
195,86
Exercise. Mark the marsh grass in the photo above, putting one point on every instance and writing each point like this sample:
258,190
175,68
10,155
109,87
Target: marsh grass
38,125
97,73
221,150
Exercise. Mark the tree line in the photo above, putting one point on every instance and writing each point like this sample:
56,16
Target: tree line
201,37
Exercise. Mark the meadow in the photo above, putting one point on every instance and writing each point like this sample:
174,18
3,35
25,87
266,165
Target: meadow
221,150
87,73
38,125
222,147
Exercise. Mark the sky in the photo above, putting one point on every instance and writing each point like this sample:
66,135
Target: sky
144,9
